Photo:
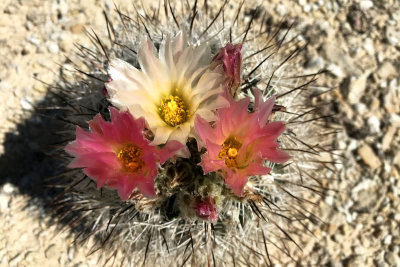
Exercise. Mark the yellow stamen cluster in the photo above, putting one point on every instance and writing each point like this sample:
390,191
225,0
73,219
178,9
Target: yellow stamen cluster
173,110
229,151
130,157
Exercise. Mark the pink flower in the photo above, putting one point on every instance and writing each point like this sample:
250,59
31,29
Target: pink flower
206,209
231,59
240,142
116,155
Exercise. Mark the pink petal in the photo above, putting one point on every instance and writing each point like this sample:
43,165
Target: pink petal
209,165
95,125
257,169
265,109
94,159
236,181
273,129
204,129
146,187
125,184
169,150
276,155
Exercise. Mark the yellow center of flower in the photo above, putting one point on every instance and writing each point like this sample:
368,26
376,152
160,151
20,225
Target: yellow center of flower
130,157
173,110
229,151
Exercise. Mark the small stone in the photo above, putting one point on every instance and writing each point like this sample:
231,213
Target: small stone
315,63
281,10
52,47
392,98
387,139
369,157
393,35
396,160
386,70
77,28
25,104
374,124
387,240
368,45
50,251
15,260
8,188
356,88
4,203
357,19
335,70
364,195
366,4
379,219
354,260
392,259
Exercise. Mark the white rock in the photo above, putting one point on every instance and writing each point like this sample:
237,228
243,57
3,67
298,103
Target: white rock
366,4
4,201
395,120
53,47
387,240
335,70
8,188
281,9
369,46
374,124
302,2
369,157
356,88
25,104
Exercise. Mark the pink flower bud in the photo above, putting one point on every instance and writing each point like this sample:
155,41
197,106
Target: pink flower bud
231,59
206,209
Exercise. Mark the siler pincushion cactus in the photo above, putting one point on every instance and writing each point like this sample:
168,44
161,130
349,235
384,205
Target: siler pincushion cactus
198,139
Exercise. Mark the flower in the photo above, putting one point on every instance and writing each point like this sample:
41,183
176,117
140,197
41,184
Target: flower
231,59
206,209
240,141
115,154
169,90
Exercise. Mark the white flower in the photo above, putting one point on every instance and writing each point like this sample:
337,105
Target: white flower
169,90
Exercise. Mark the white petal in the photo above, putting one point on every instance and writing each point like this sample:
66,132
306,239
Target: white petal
181,133
126,93
161,135
123,71
150,64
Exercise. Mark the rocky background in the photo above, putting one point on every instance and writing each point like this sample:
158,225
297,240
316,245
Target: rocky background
357,42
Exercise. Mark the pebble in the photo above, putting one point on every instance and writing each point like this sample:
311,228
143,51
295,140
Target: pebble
77,29
281,10
15,260
388,137
26,104
356,88
8,188
374,124
4,203
366,4
369,157
386,70
393,35
335,70
387,240
53,47
392,259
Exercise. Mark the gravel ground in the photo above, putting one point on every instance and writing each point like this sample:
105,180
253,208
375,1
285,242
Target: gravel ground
357,42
